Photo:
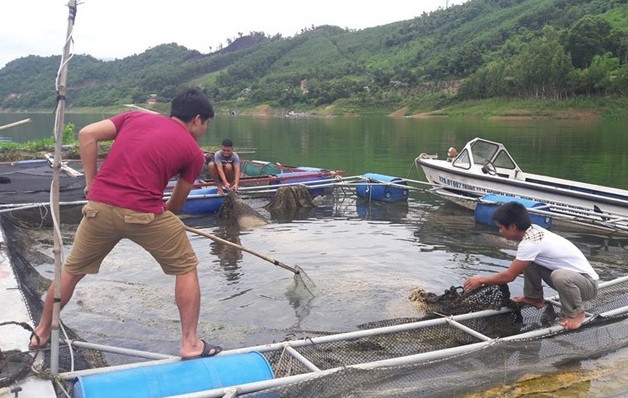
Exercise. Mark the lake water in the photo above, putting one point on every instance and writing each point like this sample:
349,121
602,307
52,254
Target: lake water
588,150
364,258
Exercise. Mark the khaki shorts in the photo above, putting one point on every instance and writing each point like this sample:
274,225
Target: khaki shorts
102,227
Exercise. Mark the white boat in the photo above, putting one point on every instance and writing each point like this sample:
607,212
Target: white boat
485,167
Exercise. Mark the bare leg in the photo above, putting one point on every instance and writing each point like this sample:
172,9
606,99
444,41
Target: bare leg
213,170
68,283
229,172
188,296
537,303
573,323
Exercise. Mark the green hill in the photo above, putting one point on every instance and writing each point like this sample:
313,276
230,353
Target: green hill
520,51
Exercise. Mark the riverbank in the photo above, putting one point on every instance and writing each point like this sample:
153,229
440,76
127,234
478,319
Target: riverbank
499,108
494,108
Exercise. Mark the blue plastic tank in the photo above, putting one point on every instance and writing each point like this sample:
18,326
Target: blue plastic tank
382,193
484,211
176,378
197,204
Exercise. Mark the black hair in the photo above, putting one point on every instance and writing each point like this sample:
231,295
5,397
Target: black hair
512,213
227,142
190,103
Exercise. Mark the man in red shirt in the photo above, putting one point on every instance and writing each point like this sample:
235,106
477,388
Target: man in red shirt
126,201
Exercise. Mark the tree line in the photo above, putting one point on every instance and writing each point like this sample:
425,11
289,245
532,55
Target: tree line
553,49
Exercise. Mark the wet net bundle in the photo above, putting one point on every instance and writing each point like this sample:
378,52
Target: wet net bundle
430,357
235,209
290,202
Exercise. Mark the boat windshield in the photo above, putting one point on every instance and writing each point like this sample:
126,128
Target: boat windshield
504,160
483,151
463,160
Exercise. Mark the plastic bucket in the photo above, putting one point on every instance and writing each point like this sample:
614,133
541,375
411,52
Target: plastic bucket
176,378
382,193
484,211
196,203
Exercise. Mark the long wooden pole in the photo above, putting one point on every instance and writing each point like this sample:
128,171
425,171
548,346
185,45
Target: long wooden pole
54,190
228,243
6,126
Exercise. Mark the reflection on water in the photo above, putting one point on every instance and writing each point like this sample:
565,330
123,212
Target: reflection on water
228,256
594,151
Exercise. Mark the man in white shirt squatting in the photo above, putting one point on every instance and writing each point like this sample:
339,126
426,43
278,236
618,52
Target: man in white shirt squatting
542,256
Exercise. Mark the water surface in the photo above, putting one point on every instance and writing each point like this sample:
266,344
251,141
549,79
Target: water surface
364,258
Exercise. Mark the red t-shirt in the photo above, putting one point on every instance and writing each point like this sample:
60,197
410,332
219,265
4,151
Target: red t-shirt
148,150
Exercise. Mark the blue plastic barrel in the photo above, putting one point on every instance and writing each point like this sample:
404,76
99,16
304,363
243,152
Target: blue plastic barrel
176,378
484,211
196,203
383,193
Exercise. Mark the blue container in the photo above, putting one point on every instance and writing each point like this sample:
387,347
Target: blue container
382,193
484,211
176,378
196,203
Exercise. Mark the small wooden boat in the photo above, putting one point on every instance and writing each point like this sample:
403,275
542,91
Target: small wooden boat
253,168
204,198
485,167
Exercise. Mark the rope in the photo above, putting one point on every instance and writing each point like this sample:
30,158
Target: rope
24,369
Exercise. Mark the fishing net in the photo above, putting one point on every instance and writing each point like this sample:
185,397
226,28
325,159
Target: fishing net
290,202
455,301
446,361
14,364
235,210
28,182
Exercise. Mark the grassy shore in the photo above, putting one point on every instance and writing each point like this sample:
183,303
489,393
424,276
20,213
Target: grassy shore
441,106
427,106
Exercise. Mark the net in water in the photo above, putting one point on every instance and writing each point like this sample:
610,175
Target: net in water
445,361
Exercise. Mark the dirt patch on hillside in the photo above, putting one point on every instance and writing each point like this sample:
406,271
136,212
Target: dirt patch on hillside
399,113
577,114
263,110
427,115
522,114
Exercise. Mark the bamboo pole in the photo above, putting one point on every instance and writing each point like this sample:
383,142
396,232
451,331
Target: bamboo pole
54,190
6,126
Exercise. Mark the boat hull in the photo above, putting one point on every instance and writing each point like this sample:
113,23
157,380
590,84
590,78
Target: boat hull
203,201
465,180
562,193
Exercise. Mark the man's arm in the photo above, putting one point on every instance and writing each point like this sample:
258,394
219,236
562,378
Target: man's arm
179,196
88,138
500,278
236,171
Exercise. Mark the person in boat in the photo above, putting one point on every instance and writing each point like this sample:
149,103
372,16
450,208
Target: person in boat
542,256
125,200
224,167
451,154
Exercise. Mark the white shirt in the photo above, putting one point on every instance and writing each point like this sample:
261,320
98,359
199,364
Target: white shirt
552,251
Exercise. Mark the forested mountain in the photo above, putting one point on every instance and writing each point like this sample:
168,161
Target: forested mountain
480,49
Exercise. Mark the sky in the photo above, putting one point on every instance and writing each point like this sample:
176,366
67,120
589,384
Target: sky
114,29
